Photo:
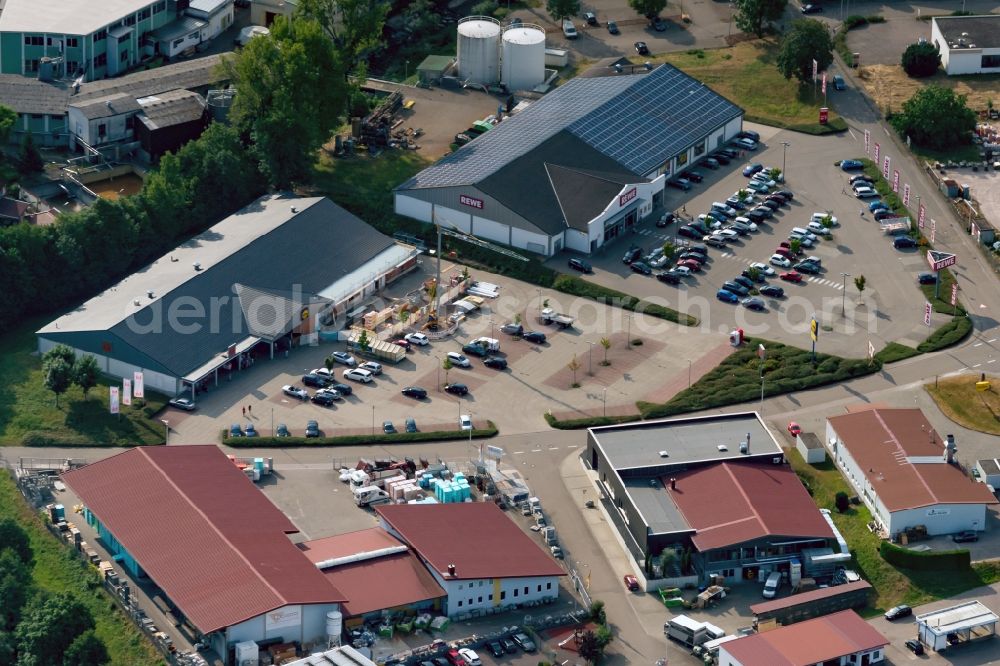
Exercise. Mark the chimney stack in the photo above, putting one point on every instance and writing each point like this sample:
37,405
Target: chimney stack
451,570
673,484
950,449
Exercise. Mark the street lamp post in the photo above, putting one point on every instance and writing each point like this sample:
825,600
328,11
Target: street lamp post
784,148
843,299
590,360
272,422
373,419
762,355
166,433
539,303
491,328
604,400
689,373
471,429
628,331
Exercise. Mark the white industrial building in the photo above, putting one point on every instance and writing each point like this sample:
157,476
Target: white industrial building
479,557
962,623
217,15
579,167
905,472
968,44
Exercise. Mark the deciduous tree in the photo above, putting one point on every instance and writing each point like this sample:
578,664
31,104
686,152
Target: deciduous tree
355,26
756,16
49,625
58,377
574,365
15,584
606,344
86,373
86,650
921,59
29,160
8,117
859,284
936,117
807,40
13,537
561,9
648,8
588,647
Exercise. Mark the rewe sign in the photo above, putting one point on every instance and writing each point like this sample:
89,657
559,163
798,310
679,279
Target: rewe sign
628,196
466,200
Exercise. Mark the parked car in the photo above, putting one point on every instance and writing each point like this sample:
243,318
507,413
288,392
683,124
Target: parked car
590,18
865,193
914,646
763,177
415,392
736,202
743,228
744,280
812,9
372,367
897,612
962,537
411,425
735,287
401,342
282,431
776,198
465,422
495,647
388,428
752,168
791,276
358,375
903,242
715,240
536,337
754,303
721,157
454,658
315,380
681,271
665,220
342,389
693,176
495,362
343,357
460,360
631,254
688,231
883,213
838,82
295,392
719,206
858,177
773,291
875,206
694,256
669,277
631,583
641,48
641,268
322,398
476,350
765,211
512,329
851,165
759,187
794,429
819,217
745,143
679,184
580,265
788,194
727,296
711,163
729,234
332,392
689,264
235,430
312,429
183,403
470,656
509,646
807,268
524,642
771,203
613,28
456,389
417,339
757,216
780,261
926,278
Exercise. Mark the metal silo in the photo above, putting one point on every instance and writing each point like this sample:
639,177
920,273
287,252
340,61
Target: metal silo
523,59
479,49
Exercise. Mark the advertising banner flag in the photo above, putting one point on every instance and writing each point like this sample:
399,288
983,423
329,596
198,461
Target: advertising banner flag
875,156
885,167
137,388
114,399
921,212
824,83
815,68
906,194
927,313
126,391
954,293
933,231
868,142
895,180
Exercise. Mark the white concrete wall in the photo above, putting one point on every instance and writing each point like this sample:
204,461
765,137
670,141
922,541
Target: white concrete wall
528,240
490,230
966,61
875,657
734,127
465,596
449,217
942,518
577,240
938,40
217,22
415,208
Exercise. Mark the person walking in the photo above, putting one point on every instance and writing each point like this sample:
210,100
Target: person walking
862,212
244,411
250,410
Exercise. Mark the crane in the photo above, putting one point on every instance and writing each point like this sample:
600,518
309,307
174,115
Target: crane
468,238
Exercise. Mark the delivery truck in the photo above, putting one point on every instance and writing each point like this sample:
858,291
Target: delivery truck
370,496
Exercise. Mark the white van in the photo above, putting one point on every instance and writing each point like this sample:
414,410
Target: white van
771,585
803,232
492,344
358,375
569,30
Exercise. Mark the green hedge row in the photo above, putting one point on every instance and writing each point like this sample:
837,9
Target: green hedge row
894,351
570,284
951,333
355,440
589,421
737,379
942,560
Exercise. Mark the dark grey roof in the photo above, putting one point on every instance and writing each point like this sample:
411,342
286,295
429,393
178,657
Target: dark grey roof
106,107
984,31
584,194
189,74
540,202
28,95
171,108
268,245
606,67
180,28
658,510
270,313
638,120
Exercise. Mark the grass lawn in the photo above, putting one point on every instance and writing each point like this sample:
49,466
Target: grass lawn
892,586
28,414
958,398
57,570
747,75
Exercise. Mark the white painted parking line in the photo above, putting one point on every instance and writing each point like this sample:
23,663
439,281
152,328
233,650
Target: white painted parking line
963,368
978,344
977,365
517,453
993,340
553,448
992,360
536,450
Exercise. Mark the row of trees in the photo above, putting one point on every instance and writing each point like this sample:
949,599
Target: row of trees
38,628
62,369
562,9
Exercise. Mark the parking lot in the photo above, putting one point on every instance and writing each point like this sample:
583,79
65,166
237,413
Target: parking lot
891,306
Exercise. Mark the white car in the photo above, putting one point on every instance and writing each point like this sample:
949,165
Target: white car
728,234
333,393
748,222
762,177
816,227
728,210
818,217
746,144
780,261
748,197
865,193
461,360
683,271
465,421
804,241
763,268
417,339
804,232
814,259
659,262
470,657
343,357
183,403
295,392
709,221
322,372
358,375
372,367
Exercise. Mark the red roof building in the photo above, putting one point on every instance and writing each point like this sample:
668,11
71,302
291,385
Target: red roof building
374,570
827,639
476,553
732,503
905,472
192,522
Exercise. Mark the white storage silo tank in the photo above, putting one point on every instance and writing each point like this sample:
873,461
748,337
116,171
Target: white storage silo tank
334,627
479,49
523,57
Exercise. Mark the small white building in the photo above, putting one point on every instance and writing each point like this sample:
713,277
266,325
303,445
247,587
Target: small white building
176,38
965,622
217,15
479,557
810,448
905,472
968,44
989,471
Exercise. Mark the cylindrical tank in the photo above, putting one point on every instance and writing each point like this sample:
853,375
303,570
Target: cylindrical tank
523,59
334,627
479,49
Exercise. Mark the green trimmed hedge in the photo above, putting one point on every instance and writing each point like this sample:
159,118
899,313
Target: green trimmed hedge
355,440
950,334
894,351
570,284
737,379
930,560
589,421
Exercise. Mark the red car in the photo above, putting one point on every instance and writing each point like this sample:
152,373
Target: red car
631,583
791,276
794,429
455,659
405,344
693,265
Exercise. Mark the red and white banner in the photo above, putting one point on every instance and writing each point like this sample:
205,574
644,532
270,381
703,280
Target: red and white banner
885,167
114,399
921,212
824,83
137,385
906,194
933,231
868,142
815,69
954,293
895,180
927,313
875,156
126,391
